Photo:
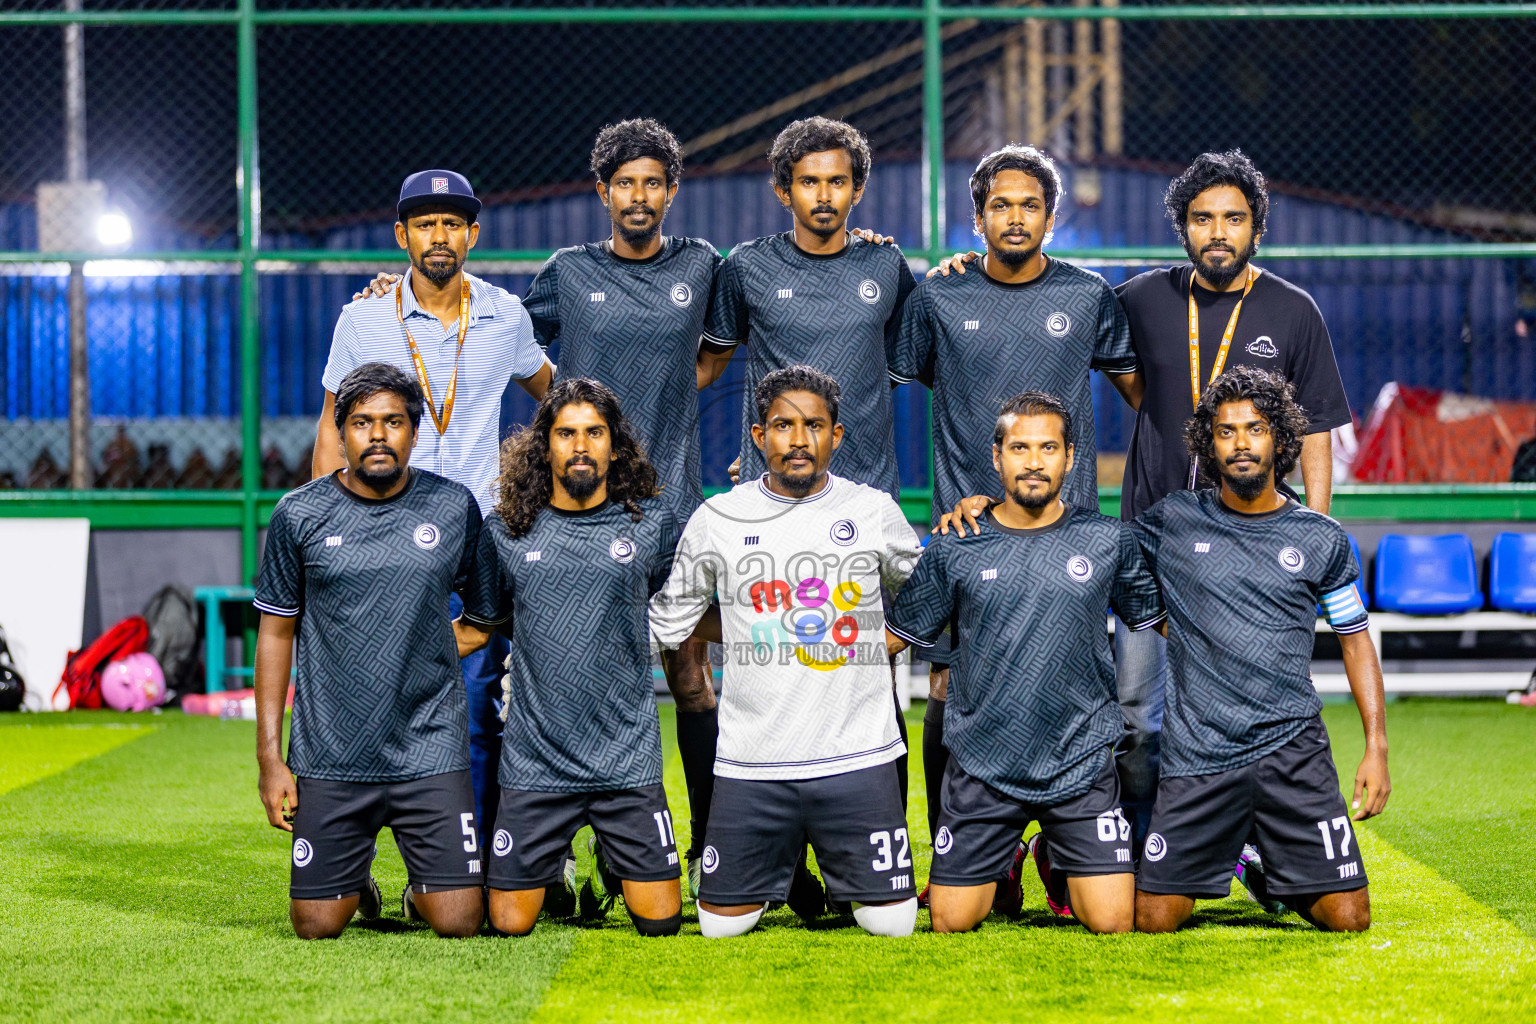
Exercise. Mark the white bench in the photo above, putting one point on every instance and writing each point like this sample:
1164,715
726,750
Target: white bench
1435,682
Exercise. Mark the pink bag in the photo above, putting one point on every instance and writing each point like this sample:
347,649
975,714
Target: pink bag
134,683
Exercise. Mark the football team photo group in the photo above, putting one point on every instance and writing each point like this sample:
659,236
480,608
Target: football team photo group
1120,710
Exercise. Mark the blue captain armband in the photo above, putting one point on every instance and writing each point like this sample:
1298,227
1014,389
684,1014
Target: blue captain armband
1344,610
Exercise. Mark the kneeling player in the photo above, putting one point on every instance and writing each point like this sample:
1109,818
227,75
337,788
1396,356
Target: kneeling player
360,564
577,546
1031,719
1242,569
808,737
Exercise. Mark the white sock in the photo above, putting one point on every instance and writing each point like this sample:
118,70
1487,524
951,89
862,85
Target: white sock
720,926
895,920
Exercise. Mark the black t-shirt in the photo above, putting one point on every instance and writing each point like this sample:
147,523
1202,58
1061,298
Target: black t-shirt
379,697
1280,328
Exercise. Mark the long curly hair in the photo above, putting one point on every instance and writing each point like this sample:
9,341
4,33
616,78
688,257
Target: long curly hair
1271,394
527,478
1212,169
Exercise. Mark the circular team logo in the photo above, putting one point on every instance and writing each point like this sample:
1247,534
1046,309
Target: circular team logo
622,550
1058,324
426,536
869,291
943,842
303,853
502,844
681,295
1291,560
711,860
1079,568
1157,847
843,533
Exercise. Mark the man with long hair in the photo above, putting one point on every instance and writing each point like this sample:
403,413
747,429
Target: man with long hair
1242,569
578,543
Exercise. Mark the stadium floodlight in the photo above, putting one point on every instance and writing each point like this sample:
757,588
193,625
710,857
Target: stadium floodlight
114,230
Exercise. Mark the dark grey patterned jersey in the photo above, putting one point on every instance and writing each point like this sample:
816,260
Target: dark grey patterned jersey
1032,688
978,342
838,313
1242,593
635,325
575,587
379,697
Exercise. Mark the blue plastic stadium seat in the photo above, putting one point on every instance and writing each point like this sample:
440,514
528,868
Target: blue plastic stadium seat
1512,572
1427,575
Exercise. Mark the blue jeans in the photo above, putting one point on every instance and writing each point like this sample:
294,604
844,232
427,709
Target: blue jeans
482,684
1141,671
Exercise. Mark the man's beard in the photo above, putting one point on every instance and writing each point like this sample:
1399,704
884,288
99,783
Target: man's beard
583,485
798,484
1248,487
638,237
1014,258
821,232
1226,273
1029,499
380,481
437,275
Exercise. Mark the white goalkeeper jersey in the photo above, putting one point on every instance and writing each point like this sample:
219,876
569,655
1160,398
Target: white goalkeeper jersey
807,687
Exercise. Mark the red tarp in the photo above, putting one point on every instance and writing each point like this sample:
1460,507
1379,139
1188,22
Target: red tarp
1419,435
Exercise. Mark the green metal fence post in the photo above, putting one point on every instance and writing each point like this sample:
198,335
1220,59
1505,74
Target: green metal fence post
933,166
250,322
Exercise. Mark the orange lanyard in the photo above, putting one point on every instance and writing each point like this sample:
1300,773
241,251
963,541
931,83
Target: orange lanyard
439,419
1226,338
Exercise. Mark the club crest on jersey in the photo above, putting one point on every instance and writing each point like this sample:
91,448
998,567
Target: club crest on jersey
1058,324
622,550
711,860
1079,568
681,295
1157,847
502,844
869,291
426,536
843,533
1291,560
303,853
1263,347
943,842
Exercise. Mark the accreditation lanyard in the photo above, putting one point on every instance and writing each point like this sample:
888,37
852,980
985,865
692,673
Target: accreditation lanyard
439,418
1221,353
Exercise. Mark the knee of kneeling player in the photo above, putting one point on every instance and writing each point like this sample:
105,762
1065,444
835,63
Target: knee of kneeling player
723,926
1352,914
1151,917
655,926
458,927
1108,921
892,920
954,920
511,923
309,925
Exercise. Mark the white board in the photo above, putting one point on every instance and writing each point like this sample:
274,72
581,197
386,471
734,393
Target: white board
42,599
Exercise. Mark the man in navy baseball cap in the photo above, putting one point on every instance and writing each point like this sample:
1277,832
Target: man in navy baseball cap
437,188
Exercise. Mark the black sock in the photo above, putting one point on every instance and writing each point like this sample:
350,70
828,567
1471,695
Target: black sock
935,758
697,732
901,762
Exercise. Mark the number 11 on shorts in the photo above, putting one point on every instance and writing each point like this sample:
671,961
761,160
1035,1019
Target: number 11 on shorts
664,826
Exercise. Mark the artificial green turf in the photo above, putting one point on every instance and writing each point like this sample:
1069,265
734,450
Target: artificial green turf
33,750
144,884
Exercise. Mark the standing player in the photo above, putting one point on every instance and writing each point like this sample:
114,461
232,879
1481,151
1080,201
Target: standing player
464,340
808,738
1033,721
1020,321
1242,569
818,296
360,564
577,546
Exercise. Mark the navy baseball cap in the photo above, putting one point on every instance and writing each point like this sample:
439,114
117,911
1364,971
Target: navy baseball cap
434,188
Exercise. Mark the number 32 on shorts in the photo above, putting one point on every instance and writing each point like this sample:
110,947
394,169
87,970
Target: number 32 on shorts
885,861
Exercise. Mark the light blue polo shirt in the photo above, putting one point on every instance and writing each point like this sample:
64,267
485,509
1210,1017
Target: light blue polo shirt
498,348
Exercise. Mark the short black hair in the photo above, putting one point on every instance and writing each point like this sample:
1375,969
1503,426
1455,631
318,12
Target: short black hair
1275,399
818,135
1028,159
1208,171
372,378
796,378
636,139
1032,403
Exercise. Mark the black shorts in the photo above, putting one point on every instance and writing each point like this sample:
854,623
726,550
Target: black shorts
534,831
854,822
1288,800
336,823
979,829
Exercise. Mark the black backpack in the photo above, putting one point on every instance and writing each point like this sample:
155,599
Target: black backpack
173,636
13,689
